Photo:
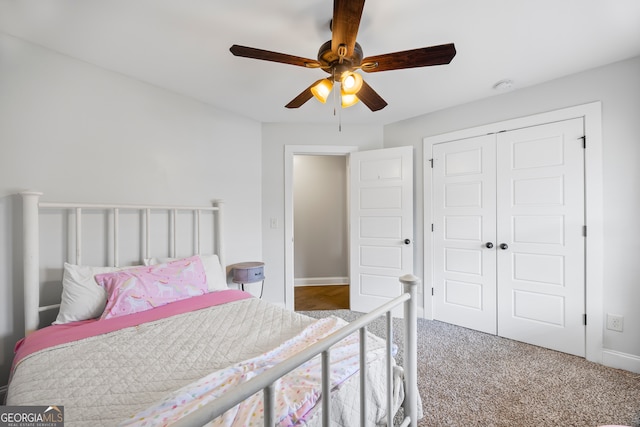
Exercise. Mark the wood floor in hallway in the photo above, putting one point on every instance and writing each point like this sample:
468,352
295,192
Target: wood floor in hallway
330,297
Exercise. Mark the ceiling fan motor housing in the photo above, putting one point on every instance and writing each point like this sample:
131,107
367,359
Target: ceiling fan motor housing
331,60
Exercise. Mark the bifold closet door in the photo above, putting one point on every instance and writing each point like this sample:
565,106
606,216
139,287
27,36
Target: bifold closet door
540,219
464,194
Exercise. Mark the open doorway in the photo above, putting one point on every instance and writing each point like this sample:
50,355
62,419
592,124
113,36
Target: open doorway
320,232
380,220
290,151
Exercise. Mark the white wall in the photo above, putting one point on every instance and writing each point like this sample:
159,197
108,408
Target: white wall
321,229
274,138
80,133
618,87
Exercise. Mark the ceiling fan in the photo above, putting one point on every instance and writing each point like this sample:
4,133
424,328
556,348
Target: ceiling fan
342,56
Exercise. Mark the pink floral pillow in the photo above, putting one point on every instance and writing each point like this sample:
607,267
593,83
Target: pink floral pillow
143,288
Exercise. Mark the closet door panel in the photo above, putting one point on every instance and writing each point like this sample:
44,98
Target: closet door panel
540,264
464,222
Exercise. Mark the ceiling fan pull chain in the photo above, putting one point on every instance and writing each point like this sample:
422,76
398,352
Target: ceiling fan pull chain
337,99
335,96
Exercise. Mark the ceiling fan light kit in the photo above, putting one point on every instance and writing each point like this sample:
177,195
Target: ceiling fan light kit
341,56
349,99
322,89
350,85
351,82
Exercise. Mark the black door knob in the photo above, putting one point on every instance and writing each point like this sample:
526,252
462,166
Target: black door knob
407,241
504,246
489,245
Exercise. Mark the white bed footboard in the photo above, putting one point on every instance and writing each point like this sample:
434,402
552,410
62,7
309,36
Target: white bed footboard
266,380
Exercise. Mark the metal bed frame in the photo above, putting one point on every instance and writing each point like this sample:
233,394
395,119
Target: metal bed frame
264,382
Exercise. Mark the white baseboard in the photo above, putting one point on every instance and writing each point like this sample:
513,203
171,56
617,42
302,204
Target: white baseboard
619,360
315,281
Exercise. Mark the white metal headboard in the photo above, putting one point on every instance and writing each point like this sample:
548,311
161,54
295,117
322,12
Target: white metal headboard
31,244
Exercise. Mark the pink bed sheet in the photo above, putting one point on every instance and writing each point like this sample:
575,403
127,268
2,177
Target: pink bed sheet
61,334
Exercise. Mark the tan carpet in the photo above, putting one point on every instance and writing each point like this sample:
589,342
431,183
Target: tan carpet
469,378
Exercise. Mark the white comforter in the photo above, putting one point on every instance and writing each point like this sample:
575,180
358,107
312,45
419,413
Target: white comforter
105,379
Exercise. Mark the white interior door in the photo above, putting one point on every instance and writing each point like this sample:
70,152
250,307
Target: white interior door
540,217
522,191
381,221
464,204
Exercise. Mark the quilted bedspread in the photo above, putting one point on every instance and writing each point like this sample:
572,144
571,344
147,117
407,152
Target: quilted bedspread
103,380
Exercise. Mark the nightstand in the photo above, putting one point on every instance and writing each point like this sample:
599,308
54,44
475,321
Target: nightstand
248,272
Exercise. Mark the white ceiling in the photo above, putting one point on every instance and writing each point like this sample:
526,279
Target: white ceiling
183,46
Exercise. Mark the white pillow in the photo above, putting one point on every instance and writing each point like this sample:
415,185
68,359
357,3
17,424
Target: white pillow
216,278
82,298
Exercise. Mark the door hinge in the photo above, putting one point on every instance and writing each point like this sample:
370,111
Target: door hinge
584,231
432,228
584,319
432,292
431,162
584,141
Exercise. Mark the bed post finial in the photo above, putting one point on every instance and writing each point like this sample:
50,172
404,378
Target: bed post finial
31,260
410,284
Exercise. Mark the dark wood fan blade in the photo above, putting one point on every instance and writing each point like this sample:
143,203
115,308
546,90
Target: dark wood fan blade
370,98
304,96
267,55
345,23
423,57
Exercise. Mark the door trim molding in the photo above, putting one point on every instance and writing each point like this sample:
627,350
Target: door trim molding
592,115
289,152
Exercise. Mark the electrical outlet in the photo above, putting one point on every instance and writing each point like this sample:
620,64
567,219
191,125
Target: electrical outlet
615,322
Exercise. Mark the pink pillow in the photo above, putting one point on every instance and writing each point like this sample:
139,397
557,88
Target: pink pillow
143,288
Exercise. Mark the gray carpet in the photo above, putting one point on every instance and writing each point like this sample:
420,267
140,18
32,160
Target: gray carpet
469,378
